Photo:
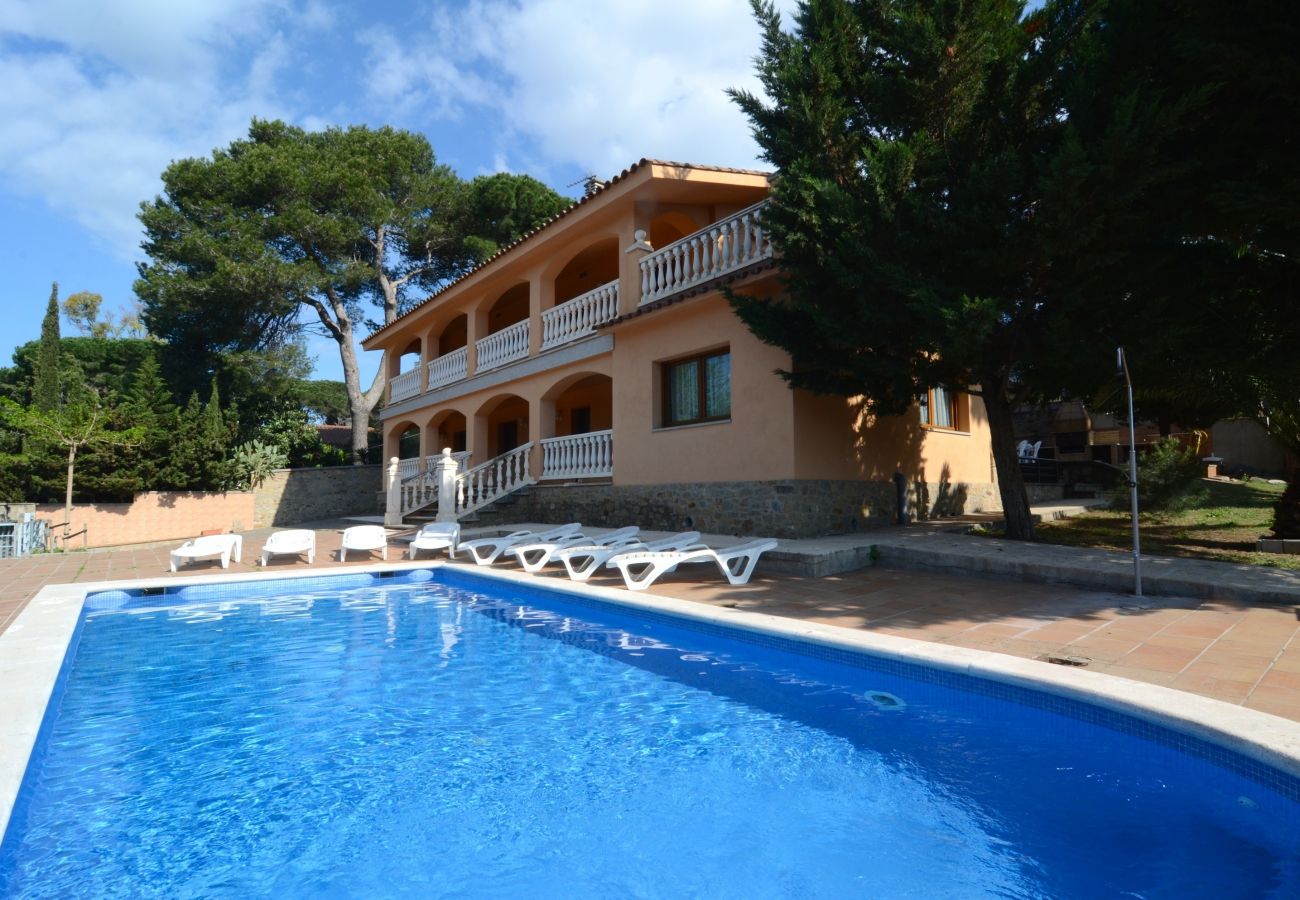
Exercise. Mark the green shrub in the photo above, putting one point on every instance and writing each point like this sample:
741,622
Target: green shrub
1165,474
1286,514
253,463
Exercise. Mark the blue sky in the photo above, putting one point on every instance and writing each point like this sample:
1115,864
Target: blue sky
100,95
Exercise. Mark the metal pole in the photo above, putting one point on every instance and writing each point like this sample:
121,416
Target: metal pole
1132,475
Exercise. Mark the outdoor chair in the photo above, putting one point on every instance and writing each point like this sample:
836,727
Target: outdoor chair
585,560
290,543
212,546
534,556
435,536
363,538
640,570
484,551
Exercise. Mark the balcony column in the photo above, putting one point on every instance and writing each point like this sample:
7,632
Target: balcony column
475,329
634,238
392,368
541,424
427,340
541,296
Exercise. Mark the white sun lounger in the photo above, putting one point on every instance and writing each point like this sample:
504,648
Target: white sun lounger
363,537
484,551
435,536
221,546
534,555
737,563
585,560
290,543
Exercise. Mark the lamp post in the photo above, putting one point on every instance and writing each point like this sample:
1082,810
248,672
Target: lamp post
1121,364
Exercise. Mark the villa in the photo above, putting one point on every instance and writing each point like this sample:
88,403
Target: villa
598,363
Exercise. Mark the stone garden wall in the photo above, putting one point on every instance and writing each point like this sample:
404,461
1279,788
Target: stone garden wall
293,496
782,509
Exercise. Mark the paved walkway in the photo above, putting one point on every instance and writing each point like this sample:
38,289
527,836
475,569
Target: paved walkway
1243,651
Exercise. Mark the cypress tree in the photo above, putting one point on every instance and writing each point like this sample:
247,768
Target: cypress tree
45,392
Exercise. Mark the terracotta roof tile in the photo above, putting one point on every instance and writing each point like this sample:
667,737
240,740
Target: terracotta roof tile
641,163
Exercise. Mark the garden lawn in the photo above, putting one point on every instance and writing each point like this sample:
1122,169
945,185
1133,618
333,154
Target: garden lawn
1218,520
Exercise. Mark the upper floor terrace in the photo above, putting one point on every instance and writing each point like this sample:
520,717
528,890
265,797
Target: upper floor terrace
655,231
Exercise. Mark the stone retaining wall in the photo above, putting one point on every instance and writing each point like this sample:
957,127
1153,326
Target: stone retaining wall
293,496
783,509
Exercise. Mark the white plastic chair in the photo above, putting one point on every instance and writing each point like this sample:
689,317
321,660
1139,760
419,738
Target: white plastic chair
363,538
484,551
737,563
534,555
290,543
435,536
220,546
585,560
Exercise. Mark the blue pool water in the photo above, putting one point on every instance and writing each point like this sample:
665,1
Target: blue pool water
440,739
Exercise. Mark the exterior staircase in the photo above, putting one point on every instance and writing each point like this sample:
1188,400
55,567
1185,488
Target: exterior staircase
488,483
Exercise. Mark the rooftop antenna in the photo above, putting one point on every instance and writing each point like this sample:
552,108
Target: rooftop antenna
590,184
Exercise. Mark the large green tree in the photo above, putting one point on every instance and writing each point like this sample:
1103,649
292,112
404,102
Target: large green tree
906,136
976,197
45,380
288,221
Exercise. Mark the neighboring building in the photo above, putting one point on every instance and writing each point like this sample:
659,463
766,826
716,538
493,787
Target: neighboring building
598,360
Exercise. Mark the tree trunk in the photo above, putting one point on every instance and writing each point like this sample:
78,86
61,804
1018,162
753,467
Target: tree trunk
67,498
359,404
1011,484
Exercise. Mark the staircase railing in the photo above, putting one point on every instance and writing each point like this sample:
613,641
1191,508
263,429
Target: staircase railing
494,479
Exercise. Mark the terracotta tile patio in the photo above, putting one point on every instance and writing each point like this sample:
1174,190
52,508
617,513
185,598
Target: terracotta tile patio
1240,653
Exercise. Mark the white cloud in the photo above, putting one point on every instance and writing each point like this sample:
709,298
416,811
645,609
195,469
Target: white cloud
99,98
587,83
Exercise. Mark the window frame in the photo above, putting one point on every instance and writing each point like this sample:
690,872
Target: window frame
699,360
926,404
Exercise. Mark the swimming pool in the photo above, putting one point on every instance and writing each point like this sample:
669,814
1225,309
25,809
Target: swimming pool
438,734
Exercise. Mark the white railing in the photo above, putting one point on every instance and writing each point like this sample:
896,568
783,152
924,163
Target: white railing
588,455
724,246
462,460
418,490
505,346
498,476
408,468
448,368
405,385
579,317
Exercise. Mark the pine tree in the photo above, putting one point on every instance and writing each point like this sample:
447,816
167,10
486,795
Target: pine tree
45,392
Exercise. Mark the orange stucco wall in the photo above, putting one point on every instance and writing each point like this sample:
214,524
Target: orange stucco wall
154,516
757,442
839,438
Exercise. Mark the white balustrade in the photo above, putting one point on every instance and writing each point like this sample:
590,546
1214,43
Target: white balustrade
405,385
580,316
448,368
461,457
408,468
726,245
589,455
494,478
505,346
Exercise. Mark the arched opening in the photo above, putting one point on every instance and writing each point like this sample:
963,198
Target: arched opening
582,404
408,443
448,429
668,227
589,269
510,308
454,336
578,411
505,421
409,358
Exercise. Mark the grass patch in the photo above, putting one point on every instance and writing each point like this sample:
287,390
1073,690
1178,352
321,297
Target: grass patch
1213,520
